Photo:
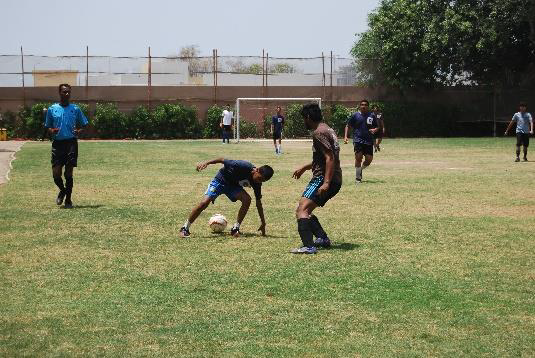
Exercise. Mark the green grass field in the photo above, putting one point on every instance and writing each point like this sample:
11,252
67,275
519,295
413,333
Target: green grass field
433,255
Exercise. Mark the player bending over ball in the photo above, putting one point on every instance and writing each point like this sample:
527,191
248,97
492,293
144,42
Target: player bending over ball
364,126
230,181
63,121
325,183
524,127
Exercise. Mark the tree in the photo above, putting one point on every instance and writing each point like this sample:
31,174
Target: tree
428,43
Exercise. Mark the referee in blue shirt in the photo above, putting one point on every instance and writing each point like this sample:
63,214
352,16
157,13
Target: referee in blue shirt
63,121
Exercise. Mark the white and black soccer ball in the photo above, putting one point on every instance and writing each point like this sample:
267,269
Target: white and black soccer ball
217,223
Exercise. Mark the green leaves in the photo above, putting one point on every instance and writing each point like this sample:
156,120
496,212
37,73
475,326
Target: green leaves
430,43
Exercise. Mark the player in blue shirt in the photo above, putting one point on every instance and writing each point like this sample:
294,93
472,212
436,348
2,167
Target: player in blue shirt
524,127
230,180
277,123
364,125
63,121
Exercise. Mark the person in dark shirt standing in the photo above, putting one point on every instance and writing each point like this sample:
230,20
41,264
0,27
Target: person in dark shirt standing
277,123
364,126
230,180
325,183
63,121
381,131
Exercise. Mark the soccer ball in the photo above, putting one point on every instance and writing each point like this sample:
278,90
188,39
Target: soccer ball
217,223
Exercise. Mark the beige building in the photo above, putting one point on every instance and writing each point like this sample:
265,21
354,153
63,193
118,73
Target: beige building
52,78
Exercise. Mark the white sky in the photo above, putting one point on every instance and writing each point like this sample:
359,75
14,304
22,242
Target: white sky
285,28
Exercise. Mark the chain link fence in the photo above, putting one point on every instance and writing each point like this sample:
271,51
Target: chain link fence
38,71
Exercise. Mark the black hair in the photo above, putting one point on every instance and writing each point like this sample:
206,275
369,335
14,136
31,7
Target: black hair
63,85
364,100
312,111
522,104
266,171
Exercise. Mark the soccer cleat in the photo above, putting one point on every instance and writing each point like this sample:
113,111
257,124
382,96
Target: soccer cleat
235,232
517,159
358,180
322,242
68,204
61,196
525,159
378,148
184,232
304,250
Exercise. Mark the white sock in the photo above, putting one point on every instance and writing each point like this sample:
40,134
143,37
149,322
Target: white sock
358,172
187,224
236,226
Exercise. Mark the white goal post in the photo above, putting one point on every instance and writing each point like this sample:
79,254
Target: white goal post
247,99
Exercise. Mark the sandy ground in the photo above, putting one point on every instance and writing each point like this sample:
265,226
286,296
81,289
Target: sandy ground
7,154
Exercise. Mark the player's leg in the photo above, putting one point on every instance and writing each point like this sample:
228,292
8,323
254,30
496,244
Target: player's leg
358,164
519,142
280,143
245,203
322,239
304,224
526,145
69,183
195,212
58,180
379,140
275,143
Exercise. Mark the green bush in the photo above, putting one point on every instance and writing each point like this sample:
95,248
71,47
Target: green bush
109,122
248,129
139,123
176,121
9,121
338,118
211,128
294,126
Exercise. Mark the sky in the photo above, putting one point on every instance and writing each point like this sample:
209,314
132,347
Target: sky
284,28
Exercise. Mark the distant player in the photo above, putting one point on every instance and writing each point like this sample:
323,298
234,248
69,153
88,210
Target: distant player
63,121
325,183
230,180
277,124
226,124
524,127
364,125
379,134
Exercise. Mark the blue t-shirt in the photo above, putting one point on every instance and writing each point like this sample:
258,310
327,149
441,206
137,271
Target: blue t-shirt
66,119
523,121
277,122
238,172
361,124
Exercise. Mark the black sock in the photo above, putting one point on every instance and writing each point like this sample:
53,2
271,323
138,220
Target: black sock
518,153
59,183
68,188
316,228
303,226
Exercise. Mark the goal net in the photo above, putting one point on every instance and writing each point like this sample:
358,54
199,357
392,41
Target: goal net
254,110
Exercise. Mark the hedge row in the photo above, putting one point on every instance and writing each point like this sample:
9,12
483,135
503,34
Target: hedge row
179,121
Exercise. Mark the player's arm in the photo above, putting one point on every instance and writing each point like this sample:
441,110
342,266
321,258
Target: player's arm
382,123
203,165
81,121
531,123
510,126
49,122
271,127
329,171
297,174
260,209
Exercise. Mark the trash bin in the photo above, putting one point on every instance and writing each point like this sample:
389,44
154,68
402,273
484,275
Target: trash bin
3,134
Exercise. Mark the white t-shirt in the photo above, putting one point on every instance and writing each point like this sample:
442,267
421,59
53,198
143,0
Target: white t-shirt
227,118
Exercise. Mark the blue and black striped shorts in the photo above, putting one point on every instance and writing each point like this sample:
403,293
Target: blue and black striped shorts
311,191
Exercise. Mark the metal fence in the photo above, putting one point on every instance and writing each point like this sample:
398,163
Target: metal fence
26,70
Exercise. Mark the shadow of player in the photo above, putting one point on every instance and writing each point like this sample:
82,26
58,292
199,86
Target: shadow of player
345,246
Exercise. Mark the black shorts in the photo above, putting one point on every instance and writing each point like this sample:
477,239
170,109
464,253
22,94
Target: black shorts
65,152
227,128
522,139
311,191
277,135
366,149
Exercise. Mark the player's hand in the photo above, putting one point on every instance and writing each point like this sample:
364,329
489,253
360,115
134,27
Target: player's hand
262,229
505,133
323,188
373,130
53,130
345,140
201,166
297,174
220,125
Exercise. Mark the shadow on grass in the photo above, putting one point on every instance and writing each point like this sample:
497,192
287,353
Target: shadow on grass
87,206
372,181
226,235
345,246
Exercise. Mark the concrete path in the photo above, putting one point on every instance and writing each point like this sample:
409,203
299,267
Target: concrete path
7,154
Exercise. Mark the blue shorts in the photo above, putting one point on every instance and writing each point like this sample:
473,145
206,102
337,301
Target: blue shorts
216,188
311,191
